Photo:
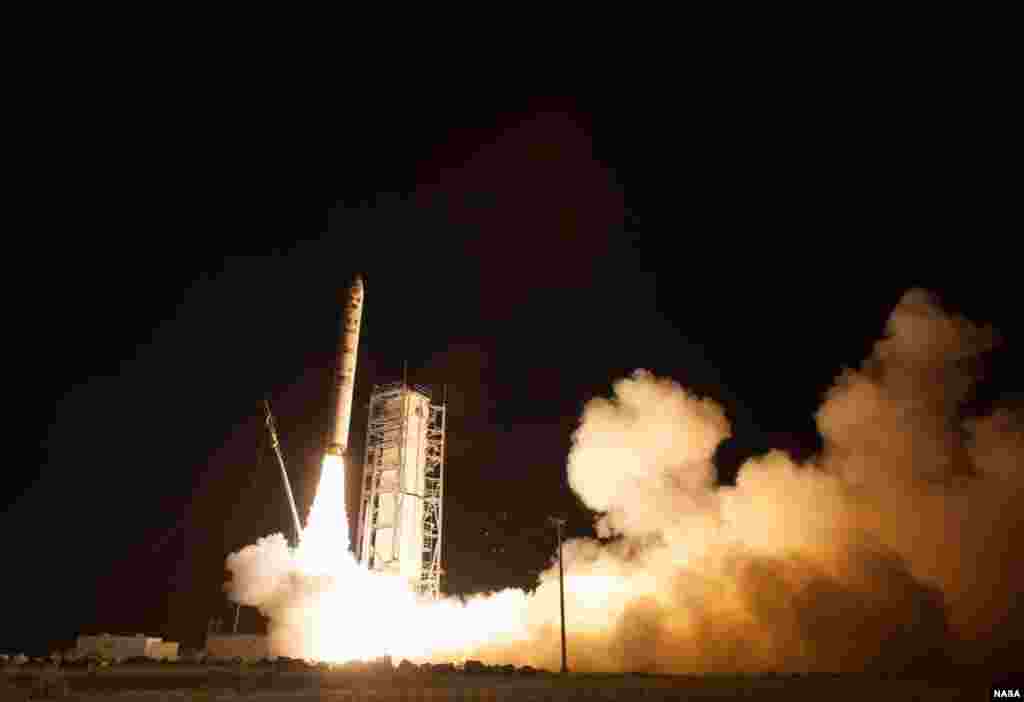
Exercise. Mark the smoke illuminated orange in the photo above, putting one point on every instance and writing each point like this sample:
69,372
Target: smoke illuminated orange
866,547
335,610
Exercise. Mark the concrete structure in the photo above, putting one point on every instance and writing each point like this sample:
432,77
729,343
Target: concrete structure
348,351
400,512
119,648
248,647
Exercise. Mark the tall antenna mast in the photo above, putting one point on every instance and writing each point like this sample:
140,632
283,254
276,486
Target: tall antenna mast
284,473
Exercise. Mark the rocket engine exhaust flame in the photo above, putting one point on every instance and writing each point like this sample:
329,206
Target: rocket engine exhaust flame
897,546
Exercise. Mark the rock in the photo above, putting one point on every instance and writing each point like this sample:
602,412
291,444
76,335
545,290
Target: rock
381,664
358,667
291,665
527,670
20,659
406,668
474,668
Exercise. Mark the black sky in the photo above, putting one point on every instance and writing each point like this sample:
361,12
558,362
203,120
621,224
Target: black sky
524,253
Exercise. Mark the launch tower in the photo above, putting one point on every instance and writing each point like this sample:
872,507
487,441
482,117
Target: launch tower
400,510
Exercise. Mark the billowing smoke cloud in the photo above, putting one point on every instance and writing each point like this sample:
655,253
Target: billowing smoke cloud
898,546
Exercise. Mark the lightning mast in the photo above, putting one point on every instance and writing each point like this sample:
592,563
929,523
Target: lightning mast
284,473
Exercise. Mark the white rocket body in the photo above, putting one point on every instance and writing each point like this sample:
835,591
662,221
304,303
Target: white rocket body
346,371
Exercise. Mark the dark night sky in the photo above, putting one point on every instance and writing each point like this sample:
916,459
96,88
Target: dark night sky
525,253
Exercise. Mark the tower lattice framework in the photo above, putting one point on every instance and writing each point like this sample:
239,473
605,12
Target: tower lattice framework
401,507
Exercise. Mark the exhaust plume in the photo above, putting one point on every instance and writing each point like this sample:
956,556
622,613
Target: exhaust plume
896,547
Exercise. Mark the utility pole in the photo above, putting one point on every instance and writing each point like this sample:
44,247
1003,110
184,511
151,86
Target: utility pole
559,523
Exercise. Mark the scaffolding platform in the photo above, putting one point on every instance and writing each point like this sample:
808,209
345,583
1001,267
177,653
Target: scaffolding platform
401,506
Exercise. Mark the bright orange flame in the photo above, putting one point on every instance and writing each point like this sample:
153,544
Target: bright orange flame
350,613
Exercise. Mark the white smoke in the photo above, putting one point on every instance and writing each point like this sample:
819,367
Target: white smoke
897,546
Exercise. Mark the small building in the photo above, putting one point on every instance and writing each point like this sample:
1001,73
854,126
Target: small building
119,648
163,651
248,647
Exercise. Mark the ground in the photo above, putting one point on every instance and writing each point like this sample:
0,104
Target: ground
267,684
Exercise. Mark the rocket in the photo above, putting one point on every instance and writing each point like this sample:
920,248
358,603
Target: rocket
346,372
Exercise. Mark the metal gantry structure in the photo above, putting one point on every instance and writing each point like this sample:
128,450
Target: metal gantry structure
433,500
401,509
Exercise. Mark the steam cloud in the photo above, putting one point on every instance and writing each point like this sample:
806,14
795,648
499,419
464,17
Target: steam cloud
897,546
